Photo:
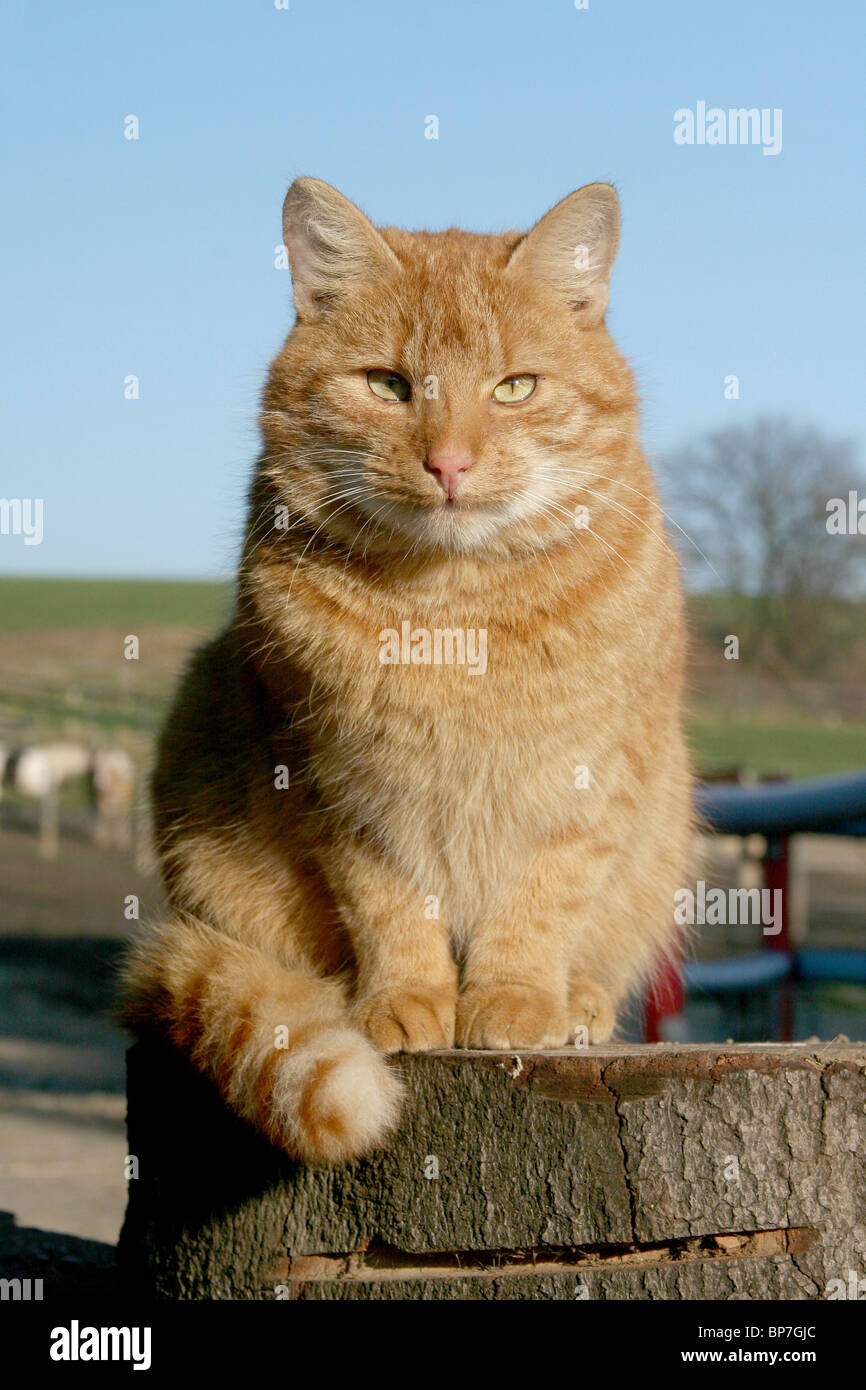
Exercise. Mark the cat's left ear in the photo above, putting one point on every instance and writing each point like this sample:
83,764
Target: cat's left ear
572,249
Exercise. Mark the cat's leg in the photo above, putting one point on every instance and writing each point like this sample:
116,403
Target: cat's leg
406,976
631,926
516,978
591,1009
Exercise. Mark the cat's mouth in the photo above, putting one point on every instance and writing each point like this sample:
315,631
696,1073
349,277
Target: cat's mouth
452,524
451,509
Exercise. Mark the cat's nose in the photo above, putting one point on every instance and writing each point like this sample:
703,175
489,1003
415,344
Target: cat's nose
448,467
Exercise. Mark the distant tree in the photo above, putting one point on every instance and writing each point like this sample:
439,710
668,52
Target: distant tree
755,500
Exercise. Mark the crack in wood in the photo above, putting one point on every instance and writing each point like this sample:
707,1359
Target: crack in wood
385,1263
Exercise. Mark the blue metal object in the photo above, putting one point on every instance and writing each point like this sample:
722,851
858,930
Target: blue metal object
819,806
759,970
839,967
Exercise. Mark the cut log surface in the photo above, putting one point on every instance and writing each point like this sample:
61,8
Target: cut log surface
613,1172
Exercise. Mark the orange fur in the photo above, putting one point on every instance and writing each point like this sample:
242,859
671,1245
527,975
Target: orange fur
434,870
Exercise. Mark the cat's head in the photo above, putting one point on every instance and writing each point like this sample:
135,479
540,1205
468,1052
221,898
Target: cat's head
439,390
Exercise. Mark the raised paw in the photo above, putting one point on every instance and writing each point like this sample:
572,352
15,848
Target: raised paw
505,1016
408,1020
591,1011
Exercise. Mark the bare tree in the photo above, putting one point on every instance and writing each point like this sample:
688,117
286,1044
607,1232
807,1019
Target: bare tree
755,501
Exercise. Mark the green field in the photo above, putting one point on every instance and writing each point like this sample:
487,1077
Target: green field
129,603
713,615
790,747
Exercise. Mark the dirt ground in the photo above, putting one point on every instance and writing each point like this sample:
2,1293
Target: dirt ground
62,1105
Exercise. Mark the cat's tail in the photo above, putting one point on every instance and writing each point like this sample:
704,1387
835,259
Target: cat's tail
277,1042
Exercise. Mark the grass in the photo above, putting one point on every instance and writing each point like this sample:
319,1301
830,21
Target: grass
796,747
32,604
712,614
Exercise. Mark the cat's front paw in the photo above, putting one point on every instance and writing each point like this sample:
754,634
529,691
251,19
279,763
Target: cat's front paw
591,1011
505,1016
408,1020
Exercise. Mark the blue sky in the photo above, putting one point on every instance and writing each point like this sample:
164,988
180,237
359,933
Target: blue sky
155,257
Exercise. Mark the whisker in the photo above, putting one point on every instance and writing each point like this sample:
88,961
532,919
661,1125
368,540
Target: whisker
324,522
619,482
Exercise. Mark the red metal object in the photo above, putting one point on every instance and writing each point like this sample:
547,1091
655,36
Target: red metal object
776,866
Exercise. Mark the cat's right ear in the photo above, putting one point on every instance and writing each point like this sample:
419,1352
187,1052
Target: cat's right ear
331,244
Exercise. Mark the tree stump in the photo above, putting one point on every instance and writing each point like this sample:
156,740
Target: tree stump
612,1172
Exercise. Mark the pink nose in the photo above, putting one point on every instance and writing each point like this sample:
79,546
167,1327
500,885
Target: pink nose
448,467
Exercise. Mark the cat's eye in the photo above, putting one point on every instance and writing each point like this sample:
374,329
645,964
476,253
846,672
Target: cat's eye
388,386
514,389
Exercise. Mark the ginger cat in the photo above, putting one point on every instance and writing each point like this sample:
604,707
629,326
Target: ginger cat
430,785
